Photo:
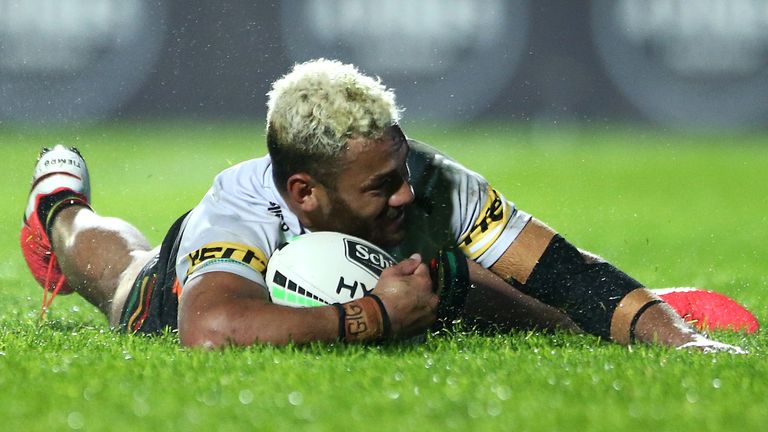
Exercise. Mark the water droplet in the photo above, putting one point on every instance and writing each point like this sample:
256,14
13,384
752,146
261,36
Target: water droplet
211,397
393,395
295,398
501,392
474,410
692,397
75,420
716,383
246,397
493,409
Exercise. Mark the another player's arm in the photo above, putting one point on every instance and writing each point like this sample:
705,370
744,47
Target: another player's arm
600,298
219,308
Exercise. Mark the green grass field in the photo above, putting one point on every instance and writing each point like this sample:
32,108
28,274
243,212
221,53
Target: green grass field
670,209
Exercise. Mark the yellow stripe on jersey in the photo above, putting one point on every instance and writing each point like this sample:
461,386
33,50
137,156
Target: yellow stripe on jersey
227,252
488,226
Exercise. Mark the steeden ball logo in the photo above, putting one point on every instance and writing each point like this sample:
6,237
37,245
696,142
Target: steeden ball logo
368,259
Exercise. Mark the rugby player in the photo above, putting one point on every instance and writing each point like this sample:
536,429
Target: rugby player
338,161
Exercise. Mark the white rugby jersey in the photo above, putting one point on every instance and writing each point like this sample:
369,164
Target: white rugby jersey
243,219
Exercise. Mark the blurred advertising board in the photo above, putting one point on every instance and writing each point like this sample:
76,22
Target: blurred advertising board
678,63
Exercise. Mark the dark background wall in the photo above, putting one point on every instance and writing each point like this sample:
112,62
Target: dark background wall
677,63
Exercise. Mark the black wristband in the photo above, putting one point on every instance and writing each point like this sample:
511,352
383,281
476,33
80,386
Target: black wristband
384,316
342,320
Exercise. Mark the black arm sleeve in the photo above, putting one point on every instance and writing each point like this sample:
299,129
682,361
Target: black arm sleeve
588,293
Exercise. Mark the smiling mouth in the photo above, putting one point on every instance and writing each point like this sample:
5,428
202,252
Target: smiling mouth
394,212
395,215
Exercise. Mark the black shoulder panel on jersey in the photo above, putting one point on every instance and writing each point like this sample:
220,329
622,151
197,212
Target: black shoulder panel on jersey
588,293
426,176
420,162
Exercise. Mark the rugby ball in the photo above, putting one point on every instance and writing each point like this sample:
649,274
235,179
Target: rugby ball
322,268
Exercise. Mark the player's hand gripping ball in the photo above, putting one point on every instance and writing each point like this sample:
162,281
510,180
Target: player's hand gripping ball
323,268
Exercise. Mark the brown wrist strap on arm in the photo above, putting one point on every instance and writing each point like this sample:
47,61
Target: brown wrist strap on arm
363,320
628,313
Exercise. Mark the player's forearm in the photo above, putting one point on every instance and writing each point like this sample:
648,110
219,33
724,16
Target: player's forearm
234,317
600,298
642,316
219,308
255,321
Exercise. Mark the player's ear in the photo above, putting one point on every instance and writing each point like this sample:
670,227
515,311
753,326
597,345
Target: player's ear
302,191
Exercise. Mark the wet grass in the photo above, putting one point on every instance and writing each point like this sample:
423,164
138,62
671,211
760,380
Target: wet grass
670,209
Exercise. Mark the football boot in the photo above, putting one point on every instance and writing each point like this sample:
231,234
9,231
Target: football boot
60,180
709,310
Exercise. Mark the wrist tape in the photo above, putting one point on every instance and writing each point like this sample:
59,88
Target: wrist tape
363,320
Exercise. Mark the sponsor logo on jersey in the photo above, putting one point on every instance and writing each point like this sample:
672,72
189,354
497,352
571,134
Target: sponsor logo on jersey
487,228
362,255
223,252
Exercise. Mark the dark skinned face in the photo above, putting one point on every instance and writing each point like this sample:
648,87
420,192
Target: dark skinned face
372,190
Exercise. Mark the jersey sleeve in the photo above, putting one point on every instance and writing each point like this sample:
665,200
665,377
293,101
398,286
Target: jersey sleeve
231,230
490,225
485,222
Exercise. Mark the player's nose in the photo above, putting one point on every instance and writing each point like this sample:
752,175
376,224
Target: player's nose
402,196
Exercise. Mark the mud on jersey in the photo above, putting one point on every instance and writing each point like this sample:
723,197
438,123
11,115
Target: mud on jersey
242,219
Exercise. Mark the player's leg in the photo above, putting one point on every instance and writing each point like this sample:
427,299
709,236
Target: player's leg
94,253
67,246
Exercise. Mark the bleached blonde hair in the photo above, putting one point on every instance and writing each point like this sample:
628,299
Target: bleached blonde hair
322,103
312,112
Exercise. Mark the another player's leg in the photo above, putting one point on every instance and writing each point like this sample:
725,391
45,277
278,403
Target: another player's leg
67,246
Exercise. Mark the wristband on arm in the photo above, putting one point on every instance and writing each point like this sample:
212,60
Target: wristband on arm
363,320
